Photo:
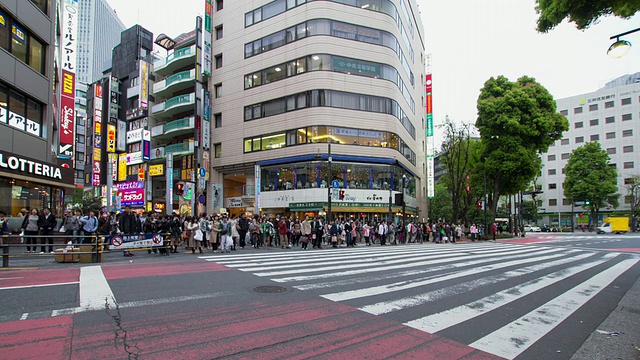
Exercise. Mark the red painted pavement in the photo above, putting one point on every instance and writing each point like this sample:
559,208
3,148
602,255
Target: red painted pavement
317,328
126,271
38,277
48,338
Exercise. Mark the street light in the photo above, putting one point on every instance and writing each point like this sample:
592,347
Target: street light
620,48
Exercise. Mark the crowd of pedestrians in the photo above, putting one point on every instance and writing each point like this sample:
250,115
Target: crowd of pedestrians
224,233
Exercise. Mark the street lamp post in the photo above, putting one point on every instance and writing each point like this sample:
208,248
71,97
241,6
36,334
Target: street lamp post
620,47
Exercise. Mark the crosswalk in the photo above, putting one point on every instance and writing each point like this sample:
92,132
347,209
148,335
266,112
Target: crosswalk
453,288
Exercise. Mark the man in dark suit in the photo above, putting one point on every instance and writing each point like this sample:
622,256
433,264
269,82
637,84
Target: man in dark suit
47,222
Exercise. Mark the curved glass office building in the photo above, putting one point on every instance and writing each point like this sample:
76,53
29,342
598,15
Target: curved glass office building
311,99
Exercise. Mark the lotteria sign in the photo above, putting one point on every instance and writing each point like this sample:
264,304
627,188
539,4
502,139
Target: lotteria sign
21,165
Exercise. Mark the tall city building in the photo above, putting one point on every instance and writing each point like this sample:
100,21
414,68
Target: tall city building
32,174
312,100
99,31
118,142
609,116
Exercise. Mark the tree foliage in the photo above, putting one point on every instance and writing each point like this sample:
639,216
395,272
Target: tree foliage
517,121
456,153
84,201
583,13
440,206
633,194
588,176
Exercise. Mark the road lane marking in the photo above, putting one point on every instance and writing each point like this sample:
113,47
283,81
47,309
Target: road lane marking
454,316
24,316
385,267
404,285
95,292
511,340
37,285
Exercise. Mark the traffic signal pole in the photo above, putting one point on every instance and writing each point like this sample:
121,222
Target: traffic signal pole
329,184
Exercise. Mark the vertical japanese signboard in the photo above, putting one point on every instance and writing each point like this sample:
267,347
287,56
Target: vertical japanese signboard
429,131
144,83
206,38
69,45
206,124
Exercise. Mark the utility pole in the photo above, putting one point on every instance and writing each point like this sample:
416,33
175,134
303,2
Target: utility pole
486,197
404,202
329,184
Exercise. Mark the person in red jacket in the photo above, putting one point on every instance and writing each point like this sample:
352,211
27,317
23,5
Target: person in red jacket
282,232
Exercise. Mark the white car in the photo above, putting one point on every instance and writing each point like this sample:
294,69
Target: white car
532,228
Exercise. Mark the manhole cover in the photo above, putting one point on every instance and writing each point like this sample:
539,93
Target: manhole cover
270,289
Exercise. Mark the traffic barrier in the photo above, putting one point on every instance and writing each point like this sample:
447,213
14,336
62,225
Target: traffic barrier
74,248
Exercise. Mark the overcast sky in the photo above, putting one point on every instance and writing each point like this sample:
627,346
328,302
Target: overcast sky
470,41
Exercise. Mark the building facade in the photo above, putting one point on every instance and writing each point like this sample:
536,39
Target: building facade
611,116
118,137
31,174
312,99
99,31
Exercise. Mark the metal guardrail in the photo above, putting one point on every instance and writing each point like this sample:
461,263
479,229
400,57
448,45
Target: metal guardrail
99,245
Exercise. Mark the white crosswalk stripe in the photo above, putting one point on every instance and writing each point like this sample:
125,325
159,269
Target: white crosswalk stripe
414,284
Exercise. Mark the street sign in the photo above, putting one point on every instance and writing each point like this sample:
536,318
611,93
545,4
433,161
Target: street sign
335,184
203,172
579,203
201,199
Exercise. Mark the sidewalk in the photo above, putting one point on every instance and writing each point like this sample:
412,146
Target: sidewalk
624,325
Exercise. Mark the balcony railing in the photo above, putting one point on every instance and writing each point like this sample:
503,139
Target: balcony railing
178,124
173,79
178,100
175,56
184,147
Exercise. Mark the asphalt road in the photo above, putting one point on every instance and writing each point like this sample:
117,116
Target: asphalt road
448,301
589,240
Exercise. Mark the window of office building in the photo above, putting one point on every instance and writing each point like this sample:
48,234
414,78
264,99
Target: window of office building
627,149
610,135
564,142
610,120
611,151
553,202
218,61
626,117
595,137
551,157
593,122
564,156
608,104
42,5
577,110
20,112
579,139
628,165
330,98
578,125
219,32
552,186
217,90
593,107
217,150
551,171
219,5
625,101
627,133
18,41
564,112
217,120
566,201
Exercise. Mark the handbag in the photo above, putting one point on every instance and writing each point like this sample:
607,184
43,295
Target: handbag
62,229
198,236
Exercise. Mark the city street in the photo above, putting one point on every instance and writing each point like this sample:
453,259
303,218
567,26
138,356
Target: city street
422,301
589,240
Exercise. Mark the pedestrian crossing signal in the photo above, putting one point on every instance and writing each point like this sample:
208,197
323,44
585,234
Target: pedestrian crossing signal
341,195
179,189
480,205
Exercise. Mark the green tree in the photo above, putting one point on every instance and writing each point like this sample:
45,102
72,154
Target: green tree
583,13
84,201
517,121
455,155
530,211
588,177
633,198
440,206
